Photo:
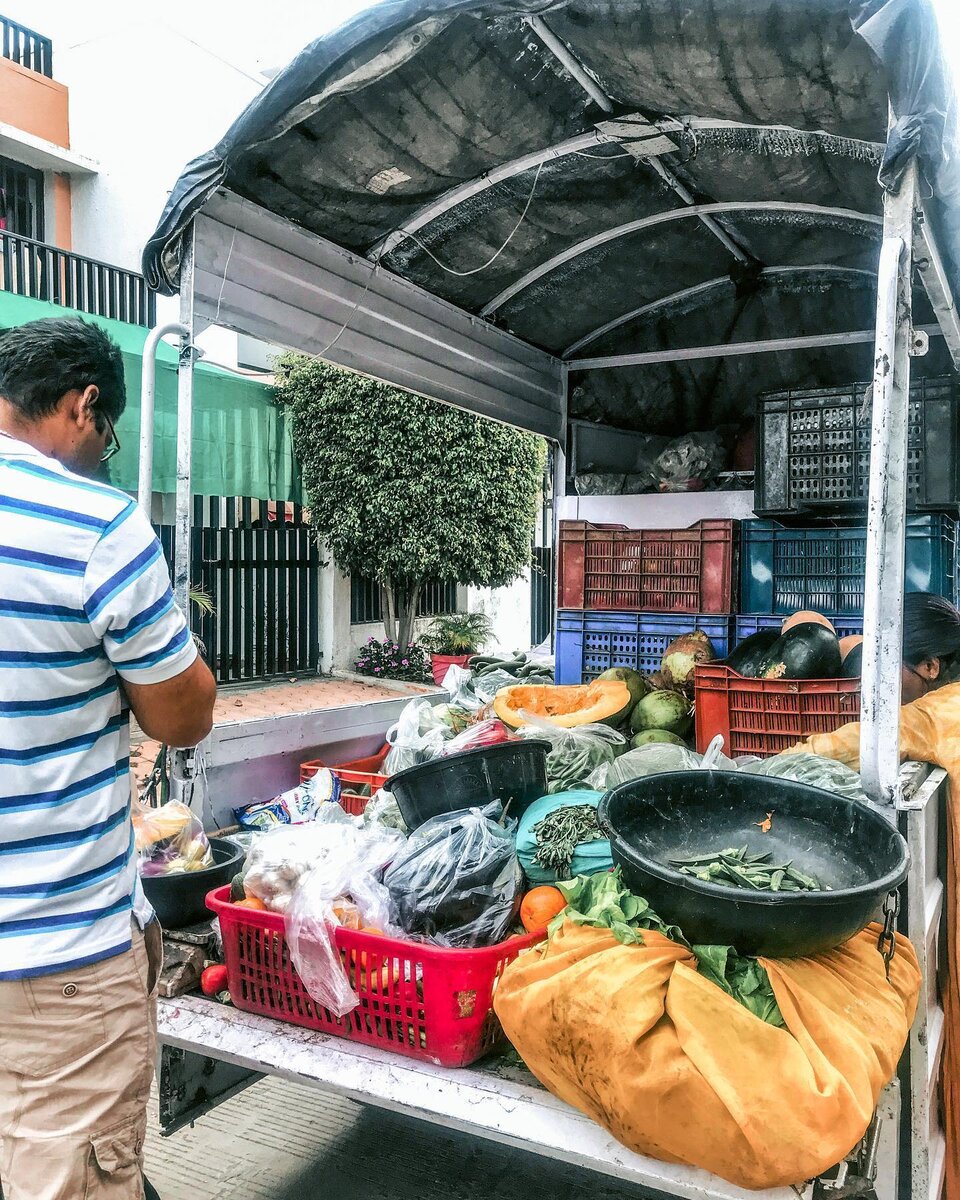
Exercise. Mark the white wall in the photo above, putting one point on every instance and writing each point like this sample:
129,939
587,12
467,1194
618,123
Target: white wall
674,511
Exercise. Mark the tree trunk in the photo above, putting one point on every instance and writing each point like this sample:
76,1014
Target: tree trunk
389,612
407,613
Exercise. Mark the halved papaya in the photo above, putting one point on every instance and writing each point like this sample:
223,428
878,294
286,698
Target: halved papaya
605,701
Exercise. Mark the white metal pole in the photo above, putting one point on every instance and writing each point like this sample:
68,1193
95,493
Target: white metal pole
181,571
148,391
886,515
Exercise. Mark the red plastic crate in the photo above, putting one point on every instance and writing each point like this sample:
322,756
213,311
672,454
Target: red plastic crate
424,1001
359,772
766,716
647,570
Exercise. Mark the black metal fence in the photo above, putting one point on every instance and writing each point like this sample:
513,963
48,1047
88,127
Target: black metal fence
26,47
32,268
260,565
542,595
366,600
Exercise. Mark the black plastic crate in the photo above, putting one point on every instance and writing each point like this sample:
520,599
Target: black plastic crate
813,449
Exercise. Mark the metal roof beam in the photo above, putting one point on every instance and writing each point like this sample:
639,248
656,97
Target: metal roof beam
936,283
703,289
588,82
661,218
768,345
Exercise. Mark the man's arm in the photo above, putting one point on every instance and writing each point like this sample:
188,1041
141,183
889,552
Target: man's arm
178,711
129,604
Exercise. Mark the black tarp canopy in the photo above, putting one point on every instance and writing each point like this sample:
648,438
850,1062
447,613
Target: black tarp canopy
604,177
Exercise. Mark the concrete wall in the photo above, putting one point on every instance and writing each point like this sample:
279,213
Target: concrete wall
34,104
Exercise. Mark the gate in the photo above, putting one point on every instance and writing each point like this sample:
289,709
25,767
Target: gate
260,565
542,598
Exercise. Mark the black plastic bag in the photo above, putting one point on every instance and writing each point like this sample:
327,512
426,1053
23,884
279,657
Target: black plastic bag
457,880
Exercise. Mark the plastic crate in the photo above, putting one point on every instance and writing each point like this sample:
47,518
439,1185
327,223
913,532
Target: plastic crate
813,449
753,623
783,570
423,1001
361,772
610,567
588,643
767,716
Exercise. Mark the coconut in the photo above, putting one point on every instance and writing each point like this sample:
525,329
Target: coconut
683,654
655,735
667,711
636,684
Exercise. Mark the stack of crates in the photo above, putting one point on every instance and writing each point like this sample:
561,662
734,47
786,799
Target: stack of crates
813,467
625,594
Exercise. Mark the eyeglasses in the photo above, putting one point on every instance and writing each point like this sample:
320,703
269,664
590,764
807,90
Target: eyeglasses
113,442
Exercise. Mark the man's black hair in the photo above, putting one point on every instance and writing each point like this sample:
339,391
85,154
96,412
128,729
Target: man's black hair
43,360
931,629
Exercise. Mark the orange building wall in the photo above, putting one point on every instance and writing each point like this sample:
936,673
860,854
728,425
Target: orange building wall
62,216
34,104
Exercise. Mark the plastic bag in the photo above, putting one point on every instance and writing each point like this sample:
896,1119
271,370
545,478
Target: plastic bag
691,462
814,771
574,753
342,887
592,483
382,809
457,880
485,733
590,856
170,839
416,738
653,759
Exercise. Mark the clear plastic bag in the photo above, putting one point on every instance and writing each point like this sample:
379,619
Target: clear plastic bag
169,839
655,758
691,462
457,881
382,809
575,754
814,771
416,738
490,732
342,888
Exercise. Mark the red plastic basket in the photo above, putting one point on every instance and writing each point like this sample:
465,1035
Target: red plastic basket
766,716
647,570
361,772
423,1001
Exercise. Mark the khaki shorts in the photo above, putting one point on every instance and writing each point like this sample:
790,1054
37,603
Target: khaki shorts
77,1053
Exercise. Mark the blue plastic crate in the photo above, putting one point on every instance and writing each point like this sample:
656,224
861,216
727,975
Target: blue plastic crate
588,643
784,570
747,625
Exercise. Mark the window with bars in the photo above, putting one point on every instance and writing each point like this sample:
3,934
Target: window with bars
21,199
366,601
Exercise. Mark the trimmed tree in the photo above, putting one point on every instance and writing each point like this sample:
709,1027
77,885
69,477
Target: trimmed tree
403,489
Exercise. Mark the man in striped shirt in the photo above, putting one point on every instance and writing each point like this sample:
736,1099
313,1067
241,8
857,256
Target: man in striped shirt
88,631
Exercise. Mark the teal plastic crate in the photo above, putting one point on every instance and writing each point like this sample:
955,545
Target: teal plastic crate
784,570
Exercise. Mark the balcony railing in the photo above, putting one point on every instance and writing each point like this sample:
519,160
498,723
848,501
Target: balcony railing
30,268
26,47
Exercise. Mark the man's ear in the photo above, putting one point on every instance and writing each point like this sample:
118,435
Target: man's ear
80,405
929,669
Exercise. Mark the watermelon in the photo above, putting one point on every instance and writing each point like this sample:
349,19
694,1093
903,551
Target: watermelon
808,651
748,657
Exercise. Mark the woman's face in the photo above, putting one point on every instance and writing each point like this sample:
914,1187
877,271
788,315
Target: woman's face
917,681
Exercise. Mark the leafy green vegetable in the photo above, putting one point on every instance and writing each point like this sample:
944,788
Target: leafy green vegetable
574,753
559,834
742,978
602,901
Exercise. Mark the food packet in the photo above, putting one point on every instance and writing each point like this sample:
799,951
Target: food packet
169,839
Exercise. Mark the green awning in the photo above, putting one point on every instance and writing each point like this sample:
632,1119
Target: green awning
241,441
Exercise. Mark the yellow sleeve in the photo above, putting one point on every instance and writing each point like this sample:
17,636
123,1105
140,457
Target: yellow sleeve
929,732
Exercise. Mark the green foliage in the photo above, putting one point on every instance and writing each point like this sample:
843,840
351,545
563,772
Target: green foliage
404,489
458,633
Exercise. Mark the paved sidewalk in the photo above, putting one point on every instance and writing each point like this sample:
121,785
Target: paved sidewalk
280,1140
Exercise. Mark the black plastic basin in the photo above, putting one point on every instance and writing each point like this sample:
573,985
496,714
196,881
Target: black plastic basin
845,844
180,899
514,772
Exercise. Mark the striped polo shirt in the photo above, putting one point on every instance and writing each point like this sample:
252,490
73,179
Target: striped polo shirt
85,602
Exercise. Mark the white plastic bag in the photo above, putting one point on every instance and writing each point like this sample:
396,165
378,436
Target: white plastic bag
416,738
655,758
575,754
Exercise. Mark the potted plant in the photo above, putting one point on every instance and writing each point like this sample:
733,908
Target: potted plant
453,638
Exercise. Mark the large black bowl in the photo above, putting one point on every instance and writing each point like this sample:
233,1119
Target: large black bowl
180,899
514,772
846,845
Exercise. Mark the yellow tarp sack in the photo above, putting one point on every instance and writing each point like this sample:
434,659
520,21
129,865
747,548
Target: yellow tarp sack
676,1069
